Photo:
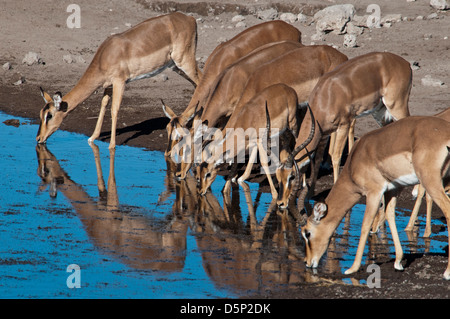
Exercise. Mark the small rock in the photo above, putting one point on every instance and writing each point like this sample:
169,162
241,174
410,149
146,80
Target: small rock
440,4
128,25
31,58
350,41
221,40
393,17
6,66
360,21
20,81
160,78
302,18
429,81
334,18
67,58
419,18
79,59
353,29
238,18
241,24
269,14
387,25
288,17
415,66
434,15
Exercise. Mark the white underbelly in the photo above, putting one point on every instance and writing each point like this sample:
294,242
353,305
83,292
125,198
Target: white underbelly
402,181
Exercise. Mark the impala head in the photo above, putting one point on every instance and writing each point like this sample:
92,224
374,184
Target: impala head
287,173
288,170
172,127
317,235
52,115
48,170
207,174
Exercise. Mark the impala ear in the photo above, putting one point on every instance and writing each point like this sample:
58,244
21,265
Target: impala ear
47,98
320,211
168,111
60,105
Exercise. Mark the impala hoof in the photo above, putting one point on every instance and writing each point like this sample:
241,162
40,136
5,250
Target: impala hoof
447,274
398,266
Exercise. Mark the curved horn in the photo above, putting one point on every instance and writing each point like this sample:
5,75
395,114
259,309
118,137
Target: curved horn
268,129
194,113
291,158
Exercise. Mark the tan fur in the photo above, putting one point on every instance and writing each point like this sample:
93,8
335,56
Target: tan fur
410,151
353,89
148,47
223,56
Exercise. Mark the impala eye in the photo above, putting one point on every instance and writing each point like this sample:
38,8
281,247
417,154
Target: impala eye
306,234
290,178
48,117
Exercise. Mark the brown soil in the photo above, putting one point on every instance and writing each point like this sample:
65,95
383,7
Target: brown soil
40,26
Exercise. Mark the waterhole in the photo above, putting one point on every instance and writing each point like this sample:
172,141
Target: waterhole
135,232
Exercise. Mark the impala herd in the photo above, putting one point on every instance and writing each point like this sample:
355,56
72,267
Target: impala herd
265,83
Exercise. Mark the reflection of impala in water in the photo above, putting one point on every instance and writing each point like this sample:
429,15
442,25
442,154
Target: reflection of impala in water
128,236
238,254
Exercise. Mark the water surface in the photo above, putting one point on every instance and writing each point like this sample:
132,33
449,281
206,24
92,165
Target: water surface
137,233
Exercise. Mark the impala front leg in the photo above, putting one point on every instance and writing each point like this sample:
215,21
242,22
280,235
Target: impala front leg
373,201
251,160
264,163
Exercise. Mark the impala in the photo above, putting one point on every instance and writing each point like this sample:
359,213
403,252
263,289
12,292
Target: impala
410,151
243,133
230,82
300,68
374,83
223,56
419,192
140,52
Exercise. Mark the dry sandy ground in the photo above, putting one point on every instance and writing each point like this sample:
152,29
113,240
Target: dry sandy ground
40,26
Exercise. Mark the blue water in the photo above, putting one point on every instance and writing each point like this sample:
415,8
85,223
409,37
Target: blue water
141,246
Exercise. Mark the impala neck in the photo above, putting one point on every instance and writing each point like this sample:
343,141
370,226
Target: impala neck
88,83
342,197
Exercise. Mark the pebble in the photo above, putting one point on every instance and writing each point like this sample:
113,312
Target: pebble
350,41
269,14
67,58
288,17
429,81
7,66
31,58
238,18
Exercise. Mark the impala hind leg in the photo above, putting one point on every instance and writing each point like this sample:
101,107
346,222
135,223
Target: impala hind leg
391,203
98,127
118,89
442,200
337,147
186,64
